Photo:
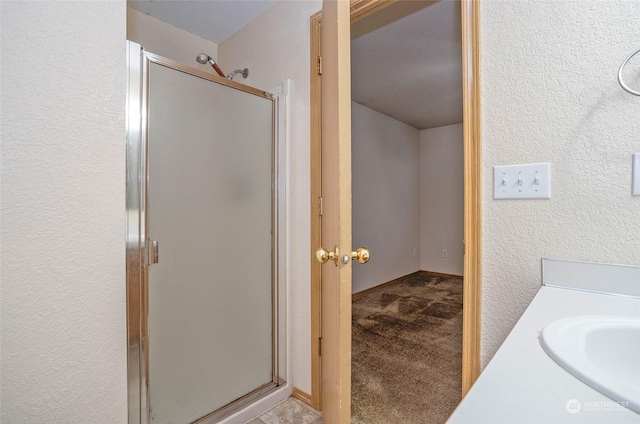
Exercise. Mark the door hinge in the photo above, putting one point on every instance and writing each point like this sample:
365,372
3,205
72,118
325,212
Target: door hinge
319,206
319,65
320,346
464,247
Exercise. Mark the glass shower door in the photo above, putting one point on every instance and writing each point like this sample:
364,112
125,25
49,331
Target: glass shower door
210,210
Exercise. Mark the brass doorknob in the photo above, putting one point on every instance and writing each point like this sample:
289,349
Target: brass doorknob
323,255
361,255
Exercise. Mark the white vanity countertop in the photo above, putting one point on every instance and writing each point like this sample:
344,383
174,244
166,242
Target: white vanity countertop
523,385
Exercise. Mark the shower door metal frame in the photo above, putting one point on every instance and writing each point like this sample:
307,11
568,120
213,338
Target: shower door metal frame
137,255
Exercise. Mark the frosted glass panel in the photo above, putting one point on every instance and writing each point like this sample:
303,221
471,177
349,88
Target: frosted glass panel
210,209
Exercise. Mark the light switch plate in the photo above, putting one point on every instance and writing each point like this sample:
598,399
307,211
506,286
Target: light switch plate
530,181
636,175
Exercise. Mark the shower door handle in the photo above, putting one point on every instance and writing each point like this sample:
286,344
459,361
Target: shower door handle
153,252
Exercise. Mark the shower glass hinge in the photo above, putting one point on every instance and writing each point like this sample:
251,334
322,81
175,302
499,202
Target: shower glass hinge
319,206
319,65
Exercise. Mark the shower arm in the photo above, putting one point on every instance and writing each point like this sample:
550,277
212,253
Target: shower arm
244,72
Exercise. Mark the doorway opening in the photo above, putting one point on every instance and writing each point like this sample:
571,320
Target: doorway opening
471,148
407,207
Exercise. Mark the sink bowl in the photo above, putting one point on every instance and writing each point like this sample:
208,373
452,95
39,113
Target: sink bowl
601,351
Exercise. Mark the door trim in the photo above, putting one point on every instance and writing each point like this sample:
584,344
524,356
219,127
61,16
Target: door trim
316,221
472,130
472,193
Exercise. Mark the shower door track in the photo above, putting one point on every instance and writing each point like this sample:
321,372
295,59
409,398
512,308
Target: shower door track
237,404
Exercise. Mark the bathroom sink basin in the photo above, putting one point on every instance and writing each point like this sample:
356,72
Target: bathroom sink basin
601,351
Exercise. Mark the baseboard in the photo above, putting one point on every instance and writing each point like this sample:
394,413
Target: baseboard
302,396
442,273
365,291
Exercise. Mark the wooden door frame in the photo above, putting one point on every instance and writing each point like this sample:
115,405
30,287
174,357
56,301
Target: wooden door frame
472,189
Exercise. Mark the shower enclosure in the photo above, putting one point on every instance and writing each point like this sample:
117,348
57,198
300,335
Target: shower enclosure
205,244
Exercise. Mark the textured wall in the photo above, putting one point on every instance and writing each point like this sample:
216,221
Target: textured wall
385,171
549,93
442,199
275,47
63,204
169,41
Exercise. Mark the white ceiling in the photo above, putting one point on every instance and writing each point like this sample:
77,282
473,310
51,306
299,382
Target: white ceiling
406,59
213,20
410,69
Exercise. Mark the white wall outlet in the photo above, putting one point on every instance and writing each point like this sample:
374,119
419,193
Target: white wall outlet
445,254
530,181
635,180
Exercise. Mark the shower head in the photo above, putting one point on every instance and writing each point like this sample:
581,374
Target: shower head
205,58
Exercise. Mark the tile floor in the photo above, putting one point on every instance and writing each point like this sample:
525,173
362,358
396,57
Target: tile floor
291,411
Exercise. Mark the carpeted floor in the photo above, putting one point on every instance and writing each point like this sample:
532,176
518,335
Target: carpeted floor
407,344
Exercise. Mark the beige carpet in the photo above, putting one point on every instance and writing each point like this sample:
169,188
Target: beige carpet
407,344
